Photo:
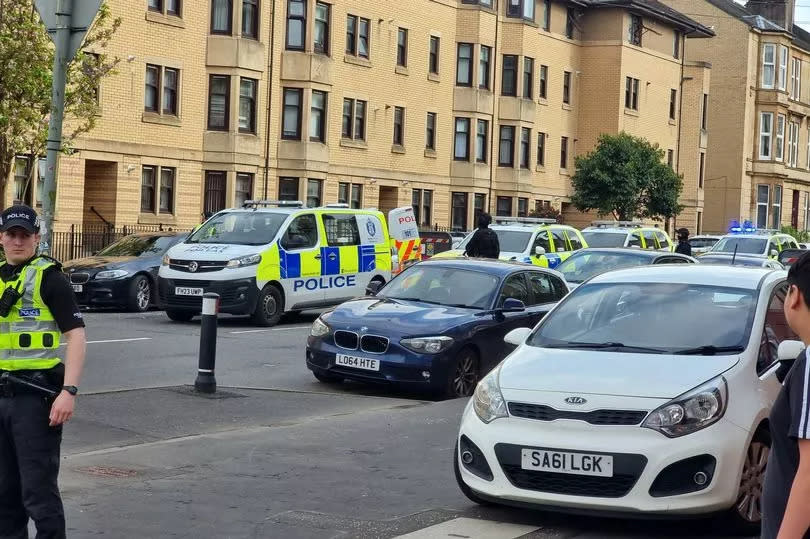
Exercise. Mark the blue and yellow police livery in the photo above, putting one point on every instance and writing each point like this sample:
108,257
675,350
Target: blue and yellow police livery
747,239
269,258
627,234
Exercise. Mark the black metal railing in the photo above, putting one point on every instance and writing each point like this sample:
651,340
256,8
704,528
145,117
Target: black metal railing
81,241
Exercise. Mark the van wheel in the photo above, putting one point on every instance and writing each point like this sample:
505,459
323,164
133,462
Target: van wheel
179,316
269,308
745,516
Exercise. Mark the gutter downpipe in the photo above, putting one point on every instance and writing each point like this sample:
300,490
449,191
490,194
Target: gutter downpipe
269,99
680,116
494,108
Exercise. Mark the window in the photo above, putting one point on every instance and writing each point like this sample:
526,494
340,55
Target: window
357,36
483,67
504,207
521,9
768,65
291,126
317,117
699,226
631,93
152,88
399,126
676,44
92,61
701,169
763,191
671,158
525,148
545,288
509,82
546,15
479,203
567,87
506,148
458,218
351,194
569,23
523,207
704,112
779,152
461,140
222,17
214,195
247,105
354,119
776,330
807,211
541,149
433,60
796,79
808,148
296,24
485,3
793,144
635,30
250,19
357,196
543,82
776,207
564,152
219,97
155,5
673,103
314,190
430,131
528,77
244,188
765,133
170,77
402,47
148,176
173,7
288,188
464,66
43,171
321,30
167,190
574,240
422,202
303,233
783,65
341,229
481,146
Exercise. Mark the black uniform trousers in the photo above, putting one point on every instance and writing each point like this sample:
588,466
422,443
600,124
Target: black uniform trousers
29,468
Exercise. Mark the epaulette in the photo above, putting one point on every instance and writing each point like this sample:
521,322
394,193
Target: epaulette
52,260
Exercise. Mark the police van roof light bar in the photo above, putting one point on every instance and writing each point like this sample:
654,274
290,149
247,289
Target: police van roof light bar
525,220
279,203
337,205
618,224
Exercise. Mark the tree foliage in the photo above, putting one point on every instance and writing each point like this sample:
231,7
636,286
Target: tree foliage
627,177
26,62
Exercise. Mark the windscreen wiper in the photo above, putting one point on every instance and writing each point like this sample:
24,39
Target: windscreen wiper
415,299
708,350
603,345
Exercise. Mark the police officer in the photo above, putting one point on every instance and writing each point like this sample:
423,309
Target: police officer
683,247
37,308
484,243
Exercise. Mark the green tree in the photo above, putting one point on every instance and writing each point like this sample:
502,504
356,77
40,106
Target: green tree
626,176
26,61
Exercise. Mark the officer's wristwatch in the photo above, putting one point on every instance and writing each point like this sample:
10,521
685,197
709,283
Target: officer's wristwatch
73,390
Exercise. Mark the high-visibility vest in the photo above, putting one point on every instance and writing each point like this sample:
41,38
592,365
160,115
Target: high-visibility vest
29,336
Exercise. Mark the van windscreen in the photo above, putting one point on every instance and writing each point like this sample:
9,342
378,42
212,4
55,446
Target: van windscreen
240,228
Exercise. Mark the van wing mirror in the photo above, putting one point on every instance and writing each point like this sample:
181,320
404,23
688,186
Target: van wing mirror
373,287
789,350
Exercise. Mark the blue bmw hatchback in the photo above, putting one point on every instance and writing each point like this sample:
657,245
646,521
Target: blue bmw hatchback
437,326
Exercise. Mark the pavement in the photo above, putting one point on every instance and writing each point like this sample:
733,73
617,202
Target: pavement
273,453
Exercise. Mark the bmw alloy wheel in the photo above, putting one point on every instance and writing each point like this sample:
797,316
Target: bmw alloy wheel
465,376
143,294
749,502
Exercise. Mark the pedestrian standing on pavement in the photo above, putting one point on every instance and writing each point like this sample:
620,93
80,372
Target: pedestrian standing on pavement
683,246
786,497
37,309
484,243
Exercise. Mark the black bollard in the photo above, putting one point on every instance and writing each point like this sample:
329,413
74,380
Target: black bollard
206,382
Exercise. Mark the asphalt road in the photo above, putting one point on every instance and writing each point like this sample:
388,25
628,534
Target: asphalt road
277,454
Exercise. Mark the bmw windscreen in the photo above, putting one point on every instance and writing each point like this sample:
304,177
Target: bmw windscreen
754,246
139,246
240,228
511,241
584,265
443,286
667,318
605,239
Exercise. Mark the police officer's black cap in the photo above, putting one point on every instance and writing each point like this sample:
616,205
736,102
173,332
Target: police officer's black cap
19,216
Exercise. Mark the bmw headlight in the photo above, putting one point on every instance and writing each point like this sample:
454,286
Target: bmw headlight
165,261
111,274
428,345
488,402
319,328
692,411
242,261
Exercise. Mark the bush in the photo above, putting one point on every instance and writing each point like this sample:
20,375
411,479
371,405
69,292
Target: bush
802,236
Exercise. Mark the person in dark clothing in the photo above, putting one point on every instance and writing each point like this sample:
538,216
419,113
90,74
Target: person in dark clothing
786,495
484,243
683,246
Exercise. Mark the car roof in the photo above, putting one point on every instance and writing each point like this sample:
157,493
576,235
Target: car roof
628,250
706,236
734,276
529,227
488,265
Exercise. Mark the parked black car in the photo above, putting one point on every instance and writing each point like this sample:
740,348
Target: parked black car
123,274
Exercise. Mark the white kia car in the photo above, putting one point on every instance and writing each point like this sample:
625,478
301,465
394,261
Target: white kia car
646,390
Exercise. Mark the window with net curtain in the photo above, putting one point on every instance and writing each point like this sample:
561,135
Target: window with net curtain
221,16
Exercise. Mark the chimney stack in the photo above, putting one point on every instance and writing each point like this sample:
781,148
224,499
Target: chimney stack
777,11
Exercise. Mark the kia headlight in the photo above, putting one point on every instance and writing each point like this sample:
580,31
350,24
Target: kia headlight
488,401
428,345
319,328
692,411
166,260
111,274
242,261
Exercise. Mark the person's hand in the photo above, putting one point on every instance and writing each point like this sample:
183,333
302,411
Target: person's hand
62,409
